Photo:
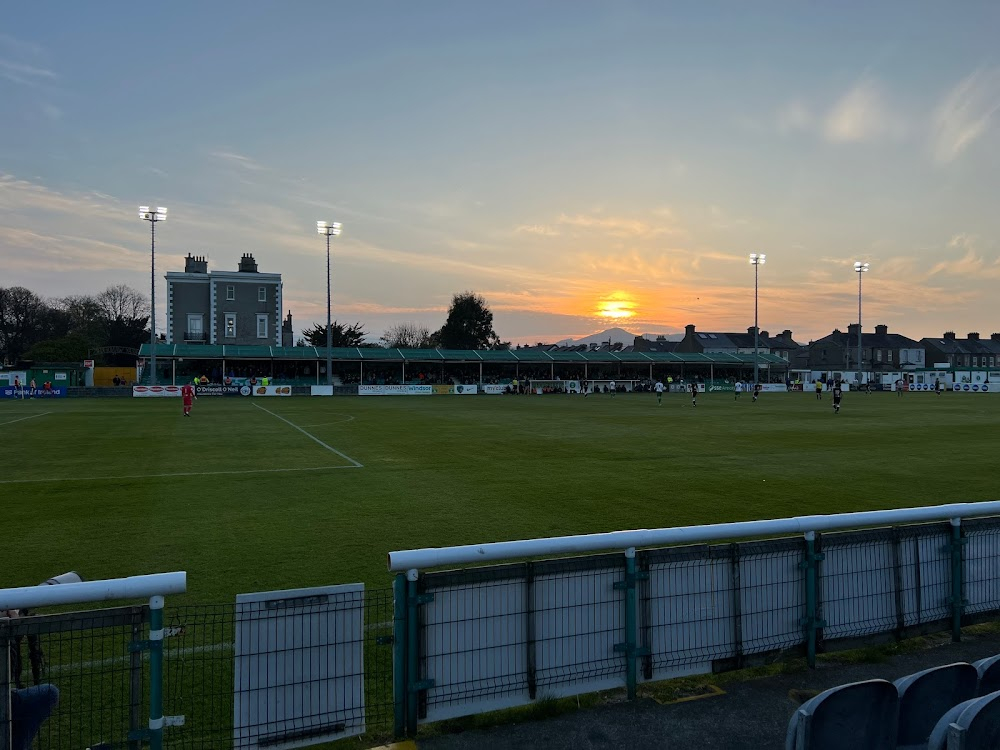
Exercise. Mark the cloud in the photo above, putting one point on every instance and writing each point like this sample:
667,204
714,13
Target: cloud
861,115
539,229
25,75
237,160
971,264
965,114
615,226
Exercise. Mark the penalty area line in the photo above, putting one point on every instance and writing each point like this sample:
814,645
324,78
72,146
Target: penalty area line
169,474
24,418
357,464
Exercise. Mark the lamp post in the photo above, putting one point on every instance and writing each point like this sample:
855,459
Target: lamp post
860,268
756,260
152,216
330,229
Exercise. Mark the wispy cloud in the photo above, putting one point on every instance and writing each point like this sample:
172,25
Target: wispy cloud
965,114
540,229
862,114
237,160
25,75
970,265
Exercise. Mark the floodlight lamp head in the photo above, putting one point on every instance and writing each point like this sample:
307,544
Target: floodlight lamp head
757,259
160,214
329,228
861,267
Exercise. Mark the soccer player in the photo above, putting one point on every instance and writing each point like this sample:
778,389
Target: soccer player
819,389
937,386
739,390
585,385
756,392
837,394
612,386
694,394
659,392
187,395
899,388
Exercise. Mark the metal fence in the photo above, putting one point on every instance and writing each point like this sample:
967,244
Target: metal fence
506,635
274,674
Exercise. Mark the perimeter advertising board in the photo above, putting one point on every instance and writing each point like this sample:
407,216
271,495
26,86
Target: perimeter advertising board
156,391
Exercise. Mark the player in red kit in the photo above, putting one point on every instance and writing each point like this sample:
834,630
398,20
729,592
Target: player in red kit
187,394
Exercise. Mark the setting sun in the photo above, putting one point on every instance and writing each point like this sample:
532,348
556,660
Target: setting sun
616,306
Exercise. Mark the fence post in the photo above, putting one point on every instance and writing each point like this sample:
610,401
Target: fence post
629,648
156,673
5,686
957,600
399,654
811,622
135,681
412,652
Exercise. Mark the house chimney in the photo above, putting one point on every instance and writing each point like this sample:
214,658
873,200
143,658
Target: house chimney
195,264
882,330
973,337
995,337
786,334
248,264
949,336
689,330
764,334
853,329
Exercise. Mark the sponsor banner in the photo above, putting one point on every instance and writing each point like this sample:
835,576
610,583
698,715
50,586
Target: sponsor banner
222,390
156,391
271,390
395,390
495,390
773,388
321,390
796,387
466,390
713,387
975,388
442,389
58,391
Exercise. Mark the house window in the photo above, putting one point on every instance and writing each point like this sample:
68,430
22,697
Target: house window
195,328
878,355
991,361
230,292
230,325
889,356
262,326
262,294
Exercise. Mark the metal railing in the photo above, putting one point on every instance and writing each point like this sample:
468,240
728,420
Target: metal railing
480,639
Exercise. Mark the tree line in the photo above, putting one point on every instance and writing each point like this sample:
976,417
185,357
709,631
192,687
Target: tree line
71,329
68,329
469,325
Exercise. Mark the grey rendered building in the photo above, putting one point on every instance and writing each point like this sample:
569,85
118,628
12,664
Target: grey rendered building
241,307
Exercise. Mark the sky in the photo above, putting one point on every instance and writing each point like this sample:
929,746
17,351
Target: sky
581,164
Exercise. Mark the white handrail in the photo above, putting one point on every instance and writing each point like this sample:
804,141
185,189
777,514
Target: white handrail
133,587
432,557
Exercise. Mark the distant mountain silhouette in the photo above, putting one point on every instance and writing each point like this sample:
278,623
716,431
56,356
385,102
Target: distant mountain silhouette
617,336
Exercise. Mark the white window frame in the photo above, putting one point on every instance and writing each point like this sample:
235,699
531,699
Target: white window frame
225,325
261,318
262,294
195,318
230,292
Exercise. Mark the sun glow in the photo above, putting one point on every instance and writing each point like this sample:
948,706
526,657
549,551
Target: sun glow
617,306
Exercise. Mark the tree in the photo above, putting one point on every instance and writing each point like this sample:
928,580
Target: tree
85,318
469,325
406,336
343,335
25,319
71,348
124,313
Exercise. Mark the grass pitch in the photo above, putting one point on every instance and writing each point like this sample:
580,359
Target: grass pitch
250,495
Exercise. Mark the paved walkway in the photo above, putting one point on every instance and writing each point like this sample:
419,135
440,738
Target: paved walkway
751,715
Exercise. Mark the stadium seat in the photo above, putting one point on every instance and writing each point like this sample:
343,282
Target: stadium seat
989,674
924,697
857,715
971,725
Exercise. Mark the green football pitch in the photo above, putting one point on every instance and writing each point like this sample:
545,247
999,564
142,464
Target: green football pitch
271,493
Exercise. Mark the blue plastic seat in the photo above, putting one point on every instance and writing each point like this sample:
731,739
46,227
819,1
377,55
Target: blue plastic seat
849,717
971,725
989,674
924,697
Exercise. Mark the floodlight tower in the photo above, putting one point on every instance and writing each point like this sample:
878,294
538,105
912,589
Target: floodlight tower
860,268
152,216
330,229
756,260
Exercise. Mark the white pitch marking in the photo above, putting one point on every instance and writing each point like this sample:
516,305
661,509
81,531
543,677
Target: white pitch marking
171,474
339,421
24,418
357,464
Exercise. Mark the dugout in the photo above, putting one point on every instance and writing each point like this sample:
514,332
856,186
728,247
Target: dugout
306,365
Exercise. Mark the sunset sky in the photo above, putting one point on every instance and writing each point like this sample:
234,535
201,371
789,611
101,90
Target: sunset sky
580,164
